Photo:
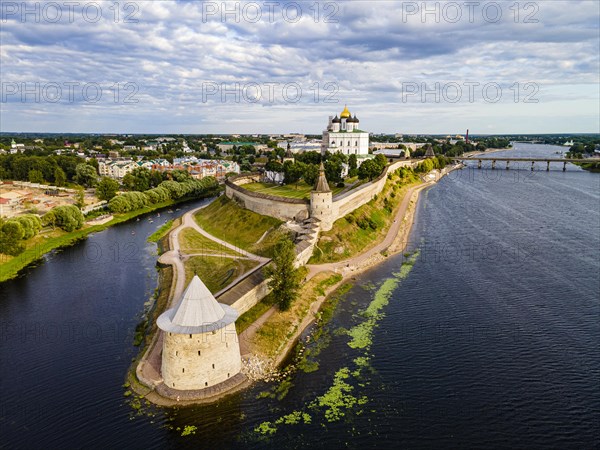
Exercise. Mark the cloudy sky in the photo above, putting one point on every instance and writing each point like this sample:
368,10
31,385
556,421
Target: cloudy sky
269,67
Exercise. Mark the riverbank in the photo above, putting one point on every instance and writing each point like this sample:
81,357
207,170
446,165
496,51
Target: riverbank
14,266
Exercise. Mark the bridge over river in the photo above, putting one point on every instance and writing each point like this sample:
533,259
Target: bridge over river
533,160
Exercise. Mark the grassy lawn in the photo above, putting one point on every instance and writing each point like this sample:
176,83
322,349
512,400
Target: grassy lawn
224,219
291,191
281,326
193,242
216,272
365,226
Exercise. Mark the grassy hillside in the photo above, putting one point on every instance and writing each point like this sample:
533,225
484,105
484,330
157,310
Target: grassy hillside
192,242
226,220
364,227
216,272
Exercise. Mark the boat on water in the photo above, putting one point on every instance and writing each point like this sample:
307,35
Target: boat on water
170,211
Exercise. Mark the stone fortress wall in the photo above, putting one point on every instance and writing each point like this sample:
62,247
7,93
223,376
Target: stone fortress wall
281,208
286,209
347,202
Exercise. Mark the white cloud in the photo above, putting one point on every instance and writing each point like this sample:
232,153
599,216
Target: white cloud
370,54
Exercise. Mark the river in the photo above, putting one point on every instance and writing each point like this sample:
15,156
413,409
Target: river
491,339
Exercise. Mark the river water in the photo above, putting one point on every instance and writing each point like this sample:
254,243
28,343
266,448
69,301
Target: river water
491,339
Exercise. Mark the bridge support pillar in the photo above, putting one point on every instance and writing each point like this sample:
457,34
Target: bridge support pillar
507,165
494,164
565,166
548,166
532,164
479,164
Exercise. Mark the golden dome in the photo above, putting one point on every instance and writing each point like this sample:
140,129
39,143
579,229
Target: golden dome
345,113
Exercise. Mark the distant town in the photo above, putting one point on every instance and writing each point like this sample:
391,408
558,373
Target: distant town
139,162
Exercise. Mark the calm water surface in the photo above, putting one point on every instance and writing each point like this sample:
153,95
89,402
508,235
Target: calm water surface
491,340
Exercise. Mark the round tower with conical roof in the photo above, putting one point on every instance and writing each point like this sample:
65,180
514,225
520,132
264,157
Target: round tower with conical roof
321,201
200,343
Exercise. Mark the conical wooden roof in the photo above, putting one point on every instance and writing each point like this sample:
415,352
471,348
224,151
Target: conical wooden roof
321,184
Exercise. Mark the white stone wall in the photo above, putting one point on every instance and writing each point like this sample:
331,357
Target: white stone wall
269,205
252,297
354,199
202,360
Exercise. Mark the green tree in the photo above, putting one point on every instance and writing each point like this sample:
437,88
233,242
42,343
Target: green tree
36,176
369,169
67,217
311,173
80,198
274,166
139,179
352,165
292,172
107,188
30,223
334,167
85,175
180,175
60,178
11,233
284,277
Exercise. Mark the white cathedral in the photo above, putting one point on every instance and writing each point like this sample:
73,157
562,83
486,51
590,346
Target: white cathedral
343,135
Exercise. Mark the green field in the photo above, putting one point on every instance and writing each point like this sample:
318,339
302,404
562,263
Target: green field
224,219
193,242
302,190
216,272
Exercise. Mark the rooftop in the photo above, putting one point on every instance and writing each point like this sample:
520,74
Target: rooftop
197,312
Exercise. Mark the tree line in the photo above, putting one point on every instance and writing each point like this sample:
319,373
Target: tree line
167,190
306,167
15,231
